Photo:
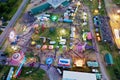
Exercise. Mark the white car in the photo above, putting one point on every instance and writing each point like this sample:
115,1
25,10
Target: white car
95,70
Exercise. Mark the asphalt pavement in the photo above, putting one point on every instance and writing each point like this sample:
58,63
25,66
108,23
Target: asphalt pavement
95,45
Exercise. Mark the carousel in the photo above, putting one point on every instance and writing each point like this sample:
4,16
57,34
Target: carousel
17,58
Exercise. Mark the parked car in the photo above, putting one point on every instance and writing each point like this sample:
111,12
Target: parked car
2,54
97,34
96,29
95,70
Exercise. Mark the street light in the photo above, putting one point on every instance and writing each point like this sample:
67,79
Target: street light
116,17
62,31
15,47
96,11
78,3
118,11
33,43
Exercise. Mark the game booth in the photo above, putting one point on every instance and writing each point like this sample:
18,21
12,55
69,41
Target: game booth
65,63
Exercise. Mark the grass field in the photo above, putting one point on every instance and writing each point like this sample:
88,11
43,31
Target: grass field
37,74
114,70
9,51
3,70
117,2
94,5
54,36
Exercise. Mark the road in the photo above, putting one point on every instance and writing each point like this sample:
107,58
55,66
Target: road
53,74
10,25
114,19
95,45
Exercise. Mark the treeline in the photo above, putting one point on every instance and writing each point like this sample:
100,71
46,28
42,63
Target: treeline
7,8
117,2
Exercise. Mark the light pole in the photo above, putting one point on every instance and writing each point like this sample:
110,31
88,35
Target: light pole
118,11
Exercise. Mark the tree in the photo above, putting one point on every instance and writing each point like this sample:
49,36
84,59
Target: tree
52,29
35,37
11,2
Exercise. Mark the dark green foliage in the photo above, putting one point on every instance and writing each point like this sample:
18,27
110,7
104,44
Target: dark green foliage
52,29
1,31
8,8
114,70
117,2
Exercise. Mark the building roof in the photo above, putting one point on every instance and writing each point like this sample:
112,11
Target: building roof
48,4
89,35
66,3
98,76
92,64
55,3
71,75
40,8
108,58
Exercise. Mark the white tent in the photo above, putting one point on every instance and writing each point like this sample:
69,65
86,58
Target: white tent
55,3
71,75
